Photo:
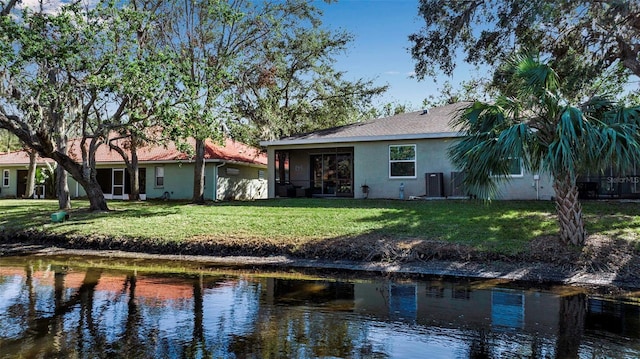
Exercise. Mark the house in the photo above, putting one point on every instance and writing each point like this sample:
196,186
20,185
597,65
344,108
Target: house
401,156
232,171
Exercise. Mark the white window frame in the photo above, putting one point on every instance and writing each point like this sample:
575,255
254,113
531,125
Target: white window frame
414,160
158,173
6,178
517,175
512,175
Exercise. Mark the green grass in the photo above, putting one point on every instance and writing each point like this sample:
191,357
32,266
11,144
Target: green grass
500,226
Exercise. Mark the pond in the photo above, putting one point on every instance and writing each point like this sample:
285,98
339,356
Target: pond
109,308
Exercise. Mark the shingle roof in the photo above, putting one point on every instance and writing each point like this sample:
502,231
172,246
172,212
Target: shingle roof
419,124
231,151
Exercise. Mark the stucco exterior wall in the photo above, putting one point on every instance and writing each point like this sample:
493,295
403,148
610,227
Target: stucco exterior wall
248,183
178,182
10,190
371,168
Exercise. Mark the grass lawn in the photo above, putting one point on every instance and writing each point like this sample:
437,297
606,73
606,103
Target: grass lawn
501,226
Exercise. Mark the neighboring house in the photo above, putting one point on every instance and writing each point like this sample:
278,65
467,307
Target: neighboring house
232,171
401,156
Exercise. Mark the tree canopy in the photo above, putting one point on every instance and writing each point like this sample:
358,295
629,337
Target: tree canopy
292,86
584,38
111,70
75,70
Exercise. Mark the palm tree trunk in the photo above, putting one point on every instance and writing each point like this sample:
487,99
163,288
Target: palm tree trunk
569,210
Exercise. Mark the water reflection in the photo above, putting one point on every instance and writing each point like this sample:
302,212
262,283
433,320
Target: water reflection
49,310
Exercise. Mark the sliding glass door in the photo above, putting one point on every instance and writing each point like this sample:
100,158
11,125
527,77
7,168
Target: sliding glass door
332,174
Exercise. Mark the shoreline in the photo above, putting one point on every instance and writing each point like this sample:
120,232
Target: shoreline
520,271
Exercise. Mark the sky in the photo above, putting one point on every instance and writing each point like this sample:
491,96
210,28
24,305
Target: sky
381,48
379,51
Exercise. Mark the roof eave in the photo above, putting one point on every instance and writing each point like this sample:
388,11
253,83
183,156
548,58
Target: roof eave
416,136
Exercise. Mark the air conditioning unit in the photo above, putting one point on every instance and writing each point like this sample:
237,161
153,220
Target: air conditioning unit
457,189
435,185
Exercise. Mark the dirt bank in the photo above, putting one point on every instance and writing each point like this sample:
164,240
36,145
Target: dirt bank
603,262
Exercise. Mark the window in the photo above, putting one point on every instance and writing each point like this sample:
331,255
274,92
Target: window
515,167
402,161
5,178
160,177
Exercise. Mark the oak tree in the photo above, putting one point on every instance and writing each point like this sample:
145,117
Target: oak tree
583,37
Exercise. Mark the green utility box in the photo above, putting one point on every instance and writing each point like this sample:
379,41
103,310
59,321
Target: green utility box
59,216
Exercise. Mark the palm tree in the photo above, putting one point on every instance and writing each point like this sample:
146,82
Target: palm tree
539,126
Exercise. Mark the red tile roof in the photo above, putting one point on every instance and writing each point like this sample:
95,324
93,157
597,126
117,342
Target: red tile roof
18,158
231,150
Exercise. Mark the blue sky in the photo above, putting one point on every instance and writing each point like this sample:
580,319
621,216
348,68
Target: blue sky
380,50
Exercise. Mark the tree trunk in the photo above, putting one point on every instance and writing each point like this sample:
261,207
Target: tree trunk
62,184
62,188
569,210
134,183
41,142
97,202
31,175
45,148
134,173
131,163
87,179
573,312
198,174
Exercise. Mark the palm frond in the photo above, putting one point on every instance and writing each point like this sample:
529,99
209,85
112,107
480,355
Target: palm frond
492,139
536,76
596,106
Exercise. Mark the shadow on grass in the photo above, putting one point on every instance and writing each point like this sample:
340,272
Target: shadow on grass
404,231
16,214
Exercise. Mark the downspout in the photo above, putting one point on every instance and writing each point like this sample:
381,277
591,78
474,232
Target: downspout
215,181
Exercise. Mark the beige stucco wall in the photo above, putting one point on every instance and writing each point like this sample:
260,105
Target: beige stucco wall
247,184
